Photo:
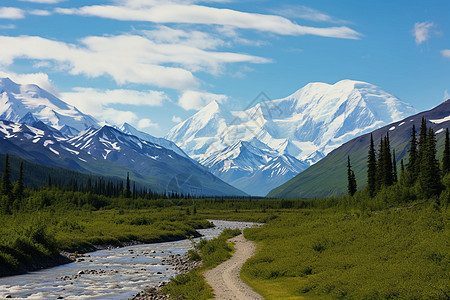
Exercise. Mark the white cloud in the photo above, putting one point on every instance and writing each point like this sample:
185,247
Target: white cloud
84,97
40,12
196,100
422,31
446,53
197,39
196,14
146,123
176,119
307,13
44,1
126,58
11,13
117,117
9,26
39,79
446,95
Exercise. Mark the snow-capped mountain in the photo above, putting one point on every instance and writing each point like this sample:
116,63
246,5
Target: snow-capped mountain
128,129
240,165
304,126
28,103
38,127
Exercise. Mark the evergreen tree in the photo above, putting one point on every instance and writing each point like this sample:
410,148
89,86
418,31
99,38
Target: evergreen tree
429,176
402,167
422,144
446,156
351,179
411,167
388,171
371,169
5,185
19,185
380,165
128,189
394,168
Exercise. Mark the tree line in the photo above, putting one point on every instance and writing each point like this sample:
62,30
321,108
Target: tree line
95,191
423,171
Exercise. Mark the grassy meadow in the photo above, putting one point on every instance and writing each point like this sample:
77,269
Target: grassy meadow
396,253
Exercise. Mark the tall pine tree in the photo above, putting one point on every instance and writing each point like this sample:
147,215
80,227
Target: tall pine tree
422,144
371,169
411,168
351,186
128,189
446,156
429,177
5,185
19,185
394,168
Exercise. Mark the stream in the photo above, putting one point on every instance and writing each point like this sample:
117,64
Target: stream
117,273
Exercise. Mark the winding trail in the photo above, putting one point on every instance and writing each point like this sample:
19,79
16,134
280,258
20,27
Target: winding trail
224,278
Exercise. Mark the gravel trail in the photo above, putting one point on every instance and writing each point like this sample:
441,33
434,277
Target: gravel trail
224,278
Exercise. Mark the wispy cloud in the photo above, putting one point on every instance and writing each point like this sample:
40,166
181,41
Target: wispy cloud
422,31
99,103
196,100
147,123
198,14
446,95
137,59
307,13
446,53
9,26
176,119
44,1
11,13
39,12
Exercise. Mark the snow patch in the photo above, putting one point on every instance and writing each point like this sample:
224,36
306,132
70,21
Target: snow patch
439,121
53,150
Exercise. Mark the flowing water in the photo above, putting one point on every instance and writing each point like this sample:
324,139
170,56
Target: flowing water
118,273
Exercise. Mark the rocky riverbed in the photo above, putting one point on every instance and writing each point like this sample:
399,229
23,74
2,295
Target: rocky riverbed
115,273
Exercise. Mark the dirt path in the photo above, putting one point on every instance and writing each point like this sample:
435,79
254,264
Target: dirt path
224,278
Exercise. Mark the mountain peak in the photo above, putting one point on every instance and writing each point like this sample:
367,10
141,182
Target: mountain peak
31,101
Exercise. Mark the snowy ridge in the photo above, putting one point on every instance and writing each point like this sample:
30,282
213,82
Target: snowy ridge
28,103
300,128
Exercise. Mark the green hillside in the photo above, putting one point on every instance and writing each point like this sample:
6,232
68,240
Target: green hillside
328,177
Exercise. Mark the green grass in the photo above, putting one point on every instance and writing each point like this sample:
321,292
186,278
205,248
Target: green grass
193,285
390,254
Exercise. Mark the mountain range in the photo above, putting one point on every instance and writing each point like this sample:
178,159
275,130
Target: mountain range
328,178
40,128
270,142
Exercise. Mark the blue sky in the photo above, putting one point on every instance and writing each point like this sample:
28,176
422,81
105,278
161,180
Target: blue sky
153,63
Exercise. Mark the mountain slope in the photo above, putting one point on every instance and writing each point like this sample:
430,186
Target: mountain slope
304,126
328,178
128,129
25,103
153,160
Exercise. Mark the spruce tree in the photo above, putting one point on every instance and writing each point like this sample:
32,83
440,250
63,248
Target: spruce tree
429,176
19,185
128,189
380,165
411,167
402,167
371,169
5,185
422,144
394,168
351,186
446,156
388,173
